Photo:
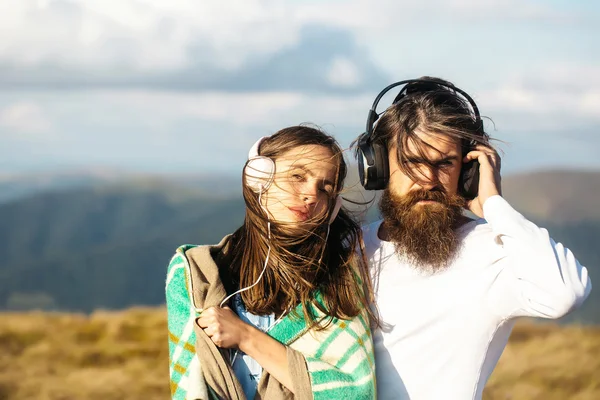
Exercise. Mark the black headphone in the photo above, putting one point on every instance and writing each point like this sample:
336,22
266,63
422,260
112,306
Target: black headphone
373,162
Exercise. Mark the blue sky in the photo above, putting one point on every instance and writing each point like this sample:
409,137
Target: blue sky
187,86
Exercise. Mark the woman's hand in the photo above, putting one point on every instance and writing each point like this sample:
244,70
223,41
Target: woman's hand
227,330
224,327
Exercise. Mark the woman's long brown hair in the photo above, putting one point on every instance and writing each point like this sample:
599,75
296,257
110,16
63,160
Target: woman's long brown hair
300,264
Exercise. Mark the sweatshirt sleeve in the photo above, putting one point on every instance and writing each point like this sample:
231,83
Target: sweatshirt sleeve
543,278
185,371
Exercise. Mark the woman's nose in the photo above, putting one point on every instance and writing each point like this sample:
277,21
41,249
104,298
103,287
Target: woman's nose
309,193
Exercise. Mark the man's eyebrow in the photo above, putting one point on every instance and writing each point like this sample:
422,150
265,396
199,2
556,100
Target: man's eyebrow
448,158
309,172
419,160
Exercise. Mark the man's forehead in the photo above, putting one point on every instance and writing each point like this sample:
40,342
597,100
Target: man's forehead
432,144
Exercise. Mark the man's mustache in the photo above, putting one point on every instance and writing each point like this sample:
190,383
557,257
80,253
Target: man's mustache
415,196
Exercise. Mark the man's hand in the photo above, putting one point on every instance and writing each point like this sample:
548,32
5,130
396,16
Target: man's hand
489,177
223,327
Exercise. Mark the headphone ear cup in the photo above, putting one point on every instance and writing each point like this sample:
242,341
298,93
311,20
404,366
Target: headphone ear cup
373,166
468,184
363,164
336,209
383,165
259,173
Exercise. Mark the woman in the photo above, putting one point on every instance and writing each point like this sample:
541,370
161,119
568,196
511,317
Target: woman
278,309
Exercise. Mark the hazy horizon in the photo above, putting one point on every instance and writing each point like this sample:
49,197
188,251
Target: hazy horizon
112,171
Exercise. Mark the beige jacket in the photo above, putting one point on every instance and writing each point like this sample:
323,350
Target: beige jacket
208,291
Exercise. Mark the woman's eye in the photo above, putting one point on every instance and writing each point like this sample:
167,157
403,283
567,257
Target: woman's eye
297,177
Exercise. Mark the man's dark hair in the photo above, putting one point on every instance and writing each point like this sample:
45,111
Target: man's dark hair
429,107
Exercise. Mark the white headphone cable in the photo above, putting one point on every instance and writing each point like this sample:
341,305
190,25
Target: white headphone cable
266,259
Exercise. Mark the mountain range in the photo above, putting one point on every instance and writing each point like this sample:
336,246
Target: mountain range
78,244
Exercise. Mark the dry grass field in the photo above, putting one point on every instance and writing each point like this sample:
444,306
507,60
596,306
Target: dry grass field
123,355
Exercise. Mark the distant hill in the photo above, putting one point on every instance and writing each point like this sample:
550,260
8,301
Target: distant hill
567,203
556,196
105,244
17,186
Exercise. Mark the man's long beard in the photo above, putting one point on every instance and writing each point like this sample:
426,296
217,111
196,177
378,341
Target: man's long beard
423,233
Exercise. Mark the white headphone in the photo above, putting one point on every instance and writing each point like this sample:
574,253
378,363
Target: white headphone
260,172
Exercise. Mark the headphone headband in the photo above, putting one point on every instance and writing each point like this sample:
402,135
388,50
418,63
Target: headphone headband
373,116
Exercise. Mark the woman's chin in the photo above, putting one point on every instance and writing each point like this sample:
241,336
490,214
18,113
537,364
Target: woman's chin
298,219
299,223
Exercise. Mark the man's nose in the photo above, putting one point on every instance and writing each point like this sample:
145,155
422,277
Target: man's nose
427,177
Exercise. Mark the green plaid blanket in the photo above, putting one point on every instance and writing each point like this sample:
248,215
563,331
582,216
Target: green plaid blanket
339,359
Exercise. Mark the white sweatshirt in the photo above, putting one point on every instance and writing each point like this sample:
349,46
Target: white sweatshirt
444,333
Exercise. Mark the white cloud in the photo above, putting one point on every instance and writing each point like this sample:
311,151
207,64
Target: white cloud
142,34
106,123
565,92
511,10
343,73
235,108
25,117
162,111
172,131
390,17
590,103
250,61
161,35
230,45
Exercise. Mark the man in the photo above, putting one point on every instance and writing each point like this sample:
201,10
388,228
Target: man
449,288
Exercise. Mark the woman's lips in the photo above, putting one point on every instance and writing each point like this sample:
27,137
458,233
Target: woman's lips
300,212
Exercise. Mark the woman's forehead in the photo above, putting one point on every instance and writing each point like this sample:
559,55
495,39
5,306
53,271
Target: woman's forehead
318,161
308,153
